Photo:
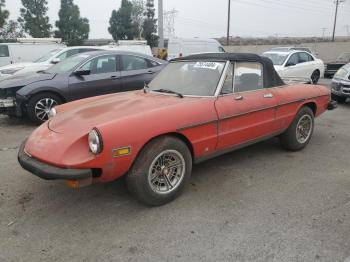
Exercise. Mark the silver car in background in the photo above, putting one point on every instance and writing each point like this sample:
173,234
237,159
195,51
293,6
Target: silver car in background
341,84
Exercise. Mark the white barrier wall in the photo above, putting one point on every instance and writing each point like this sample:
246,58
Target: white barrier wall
326,51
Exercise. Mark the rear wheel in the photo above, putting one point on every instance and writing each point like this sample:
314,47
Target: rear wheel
339,99
39,106
160,172
315,77
299,133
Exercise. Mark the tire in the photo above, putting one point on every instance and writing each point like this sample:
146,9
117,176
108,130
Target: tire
339,99
292,139
153,189
41,102
315,77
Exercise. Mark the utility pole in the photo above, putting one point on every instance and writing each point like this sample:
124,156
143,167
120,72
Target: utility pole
323,32
160,24
228,23
335,17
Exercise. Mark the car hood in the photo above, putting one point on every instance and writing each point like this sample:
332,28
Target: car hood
93,112
23,80
16,65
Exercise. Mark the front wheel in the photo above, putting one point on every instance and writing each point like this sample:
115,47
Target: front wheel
39,106
160,172
299,133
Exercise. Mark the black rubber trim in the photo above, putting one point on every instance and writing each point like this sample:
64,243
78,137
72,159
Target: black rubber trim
49,172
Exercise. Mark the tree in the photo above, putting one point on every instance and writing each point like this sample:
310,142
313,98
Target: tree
11,31
137,16
4,14
150,25
33,18
72,28
121,27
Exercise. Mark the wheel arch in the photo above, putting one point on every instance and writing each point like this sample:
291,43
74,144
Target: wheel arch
177,135
49,91
312,105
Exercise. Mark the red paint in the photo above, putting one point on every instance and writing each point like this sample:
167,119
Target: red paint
134,118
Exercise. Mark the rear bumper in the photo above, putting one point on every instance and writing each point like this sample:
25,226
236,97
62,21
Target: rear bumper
49,172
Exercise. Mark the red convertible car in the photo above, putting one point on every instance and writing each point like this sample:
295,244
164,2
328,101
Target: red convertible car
197,108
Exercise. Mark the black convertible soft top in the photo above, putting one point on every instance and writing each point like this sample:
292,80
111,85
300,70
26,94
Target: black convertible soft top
271,77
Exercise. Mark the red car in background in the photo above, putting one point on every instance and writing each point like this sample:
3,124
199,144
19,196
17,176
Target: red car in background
197,108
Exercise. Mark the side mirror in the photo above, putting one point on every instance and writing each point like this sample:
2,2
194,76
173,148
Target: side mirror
55,60
82,72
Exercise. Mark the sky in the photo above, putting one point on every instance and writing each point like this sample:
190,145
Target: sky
208,18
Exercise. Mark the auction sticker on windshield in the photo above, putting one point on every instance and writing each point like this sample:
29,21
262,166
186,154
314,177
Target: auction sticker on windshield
207,65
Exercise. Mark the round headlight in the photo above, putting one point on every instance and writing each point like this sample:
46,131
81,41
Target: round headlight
52,113
95,142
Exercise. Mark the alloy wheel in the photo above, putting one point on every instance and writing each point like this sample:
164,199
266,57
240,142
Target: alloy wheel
166,172
43,107
304,129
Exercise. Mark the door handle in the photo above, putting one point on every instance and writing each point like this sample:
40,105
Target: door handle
239,98
114,77
150,72
268,95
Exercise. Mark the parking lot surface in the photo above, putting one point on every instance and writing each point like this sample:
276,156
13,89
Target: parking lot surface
260,203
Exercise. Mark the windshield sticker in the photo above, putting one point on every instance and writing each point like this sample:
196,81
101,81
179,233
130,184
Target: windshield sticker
207,65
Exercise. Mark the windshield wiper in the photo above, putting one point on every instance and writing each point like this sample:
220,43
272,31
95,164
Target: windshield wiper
162,90
145,88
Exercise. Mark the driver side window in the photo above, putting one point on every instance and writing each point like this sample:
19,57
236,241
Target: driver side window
101,65
293,60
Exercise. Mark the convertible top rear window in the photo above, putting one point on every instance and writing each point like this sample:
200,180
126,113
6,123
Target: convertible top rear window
198,78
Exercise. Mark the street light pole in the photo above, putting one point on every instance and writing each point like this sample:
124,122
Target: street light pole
228,23
335,19
160,24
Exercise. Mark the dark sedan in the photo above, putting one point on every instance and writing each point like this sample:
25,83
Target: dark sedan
81,76
334,66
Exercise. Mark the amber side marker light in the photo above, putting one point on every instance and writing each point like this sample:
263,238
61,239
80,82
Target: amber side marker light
79,183
72,183
124,151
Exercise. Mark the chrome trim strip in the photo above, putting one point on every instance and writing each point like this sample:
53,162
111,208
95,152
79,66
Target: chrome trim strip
197,125
222,79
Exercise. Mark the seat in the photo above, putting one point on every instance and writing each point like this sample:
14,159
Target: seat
248,82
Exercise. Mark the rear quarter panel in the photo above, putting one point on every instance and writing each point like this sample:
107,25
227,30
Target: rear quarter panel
290,98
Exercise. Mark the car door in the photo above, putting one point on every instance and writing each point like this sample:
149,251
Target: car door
246,110
307,63
136,71
104,78
293,68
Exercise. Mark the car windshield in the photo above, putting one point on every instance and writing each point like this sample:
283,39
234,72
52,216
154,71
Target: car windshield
277,58
48,55
67,65
189,78
344,57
